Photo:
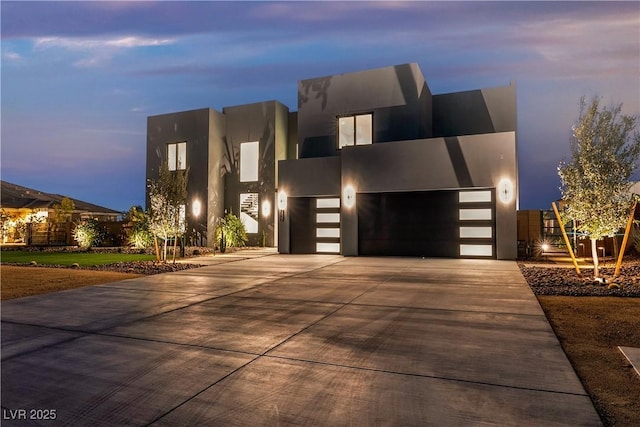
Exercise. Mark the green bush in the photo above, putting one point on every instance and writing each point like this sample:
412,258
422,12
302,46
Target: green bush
230,232
140,238
88,233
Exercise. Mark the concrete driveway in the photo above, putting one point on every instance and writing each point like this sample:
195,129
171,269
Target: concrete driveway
281,340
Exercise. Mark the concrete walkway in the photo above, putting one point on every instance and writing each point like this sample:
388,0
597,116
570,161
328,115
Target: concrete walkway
282,340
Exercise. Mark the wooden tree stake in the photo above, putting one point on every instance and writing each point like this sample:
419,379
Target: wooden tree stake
566,239
624,239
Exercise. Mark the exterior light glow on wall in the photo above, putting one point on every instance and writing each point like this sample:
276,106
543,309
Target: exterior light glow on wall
282,204
196,208
505,190
266,208
349,196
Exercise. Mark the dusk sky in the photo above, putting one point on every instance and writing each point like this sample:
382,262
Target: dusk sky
80,78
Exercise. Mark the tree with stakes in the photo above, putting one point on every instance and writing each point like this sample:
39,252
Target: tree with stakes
167,197
595,184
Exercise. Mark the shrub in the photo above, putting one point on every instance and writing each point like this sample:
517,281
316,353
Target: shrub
230,232
140,237
88,233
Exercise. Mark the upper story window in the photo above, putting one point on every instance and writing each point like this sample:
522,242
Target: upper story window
355,130
249,161
177,156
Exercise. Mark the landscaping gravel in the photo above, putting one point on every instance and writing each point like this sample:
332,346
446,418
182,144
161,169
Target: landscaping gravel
135,267
553,280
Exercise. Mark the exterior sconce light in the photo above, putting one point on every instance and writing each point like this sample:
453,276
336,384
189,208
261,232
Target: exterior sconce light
505,190
196,208
282,203
266,208
349,196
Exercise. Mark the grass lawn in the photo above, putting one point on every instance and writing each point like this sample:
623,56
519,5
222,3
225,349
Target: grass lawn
69,258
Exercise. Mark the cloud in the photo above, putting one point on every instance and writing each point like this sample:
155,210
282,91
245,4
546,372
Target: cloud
100,50
12,56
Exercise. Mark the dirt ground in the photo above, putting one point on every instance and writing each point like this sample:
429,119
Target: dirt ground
20,282
590,330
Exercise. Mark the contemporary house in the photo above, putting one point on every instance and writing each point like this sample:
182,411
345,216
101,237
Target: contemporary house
372,163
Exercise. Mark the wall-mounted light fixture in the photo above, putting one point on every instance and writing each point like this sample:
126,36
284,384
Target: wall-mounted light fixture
282,203
196,208
505,190
349,196
266,208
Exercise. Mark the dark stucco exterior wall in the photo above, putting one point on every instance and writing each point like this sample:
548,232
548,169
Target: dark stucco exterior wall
192,127
475,112
267,123
430,164
398,97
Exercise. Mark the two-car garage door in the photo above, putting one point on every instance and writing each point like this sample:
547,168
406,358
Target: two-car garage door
443,223
446,223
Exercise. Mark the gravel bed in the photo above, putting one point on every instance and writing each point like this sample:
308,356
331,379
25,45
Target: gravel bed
550,280
135,267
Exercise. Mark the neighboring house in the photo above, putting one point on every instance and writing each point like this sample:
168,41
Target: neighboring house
26,212
371,164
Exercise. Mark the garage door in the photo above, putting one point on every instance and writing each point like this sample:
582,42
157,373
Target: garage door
314,225
452,223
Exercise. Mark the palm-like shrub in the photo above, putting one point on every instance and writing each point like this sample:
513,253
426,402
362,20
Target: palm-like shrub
230,232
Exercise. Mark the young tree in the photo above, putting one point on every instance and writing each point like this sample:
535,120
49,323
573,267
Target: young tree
167,196
595,184
64,210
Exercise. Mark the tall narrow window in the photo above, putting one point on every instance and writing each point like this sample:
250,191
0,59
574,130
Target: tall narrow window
177,156
249,161
355,130
249,211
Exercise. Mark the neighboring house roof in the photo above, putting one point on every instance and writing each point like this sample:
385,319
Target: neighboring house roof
13,196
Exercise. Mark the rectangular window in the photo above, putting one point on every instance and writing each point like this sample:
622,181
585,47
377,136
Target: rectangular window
476,250
328,232
177,156
355,130
328,248
249,211
475,232
327,217
249,161
474,196
328,203
475,214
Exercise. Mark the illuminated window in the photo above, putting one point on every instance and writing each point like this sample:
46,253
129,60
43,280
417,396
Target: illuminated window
182,217
476,232
474,196
328,203
249,211
177,156
333,248
249,161
475,214
476,250
327,217
355,130
328,233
